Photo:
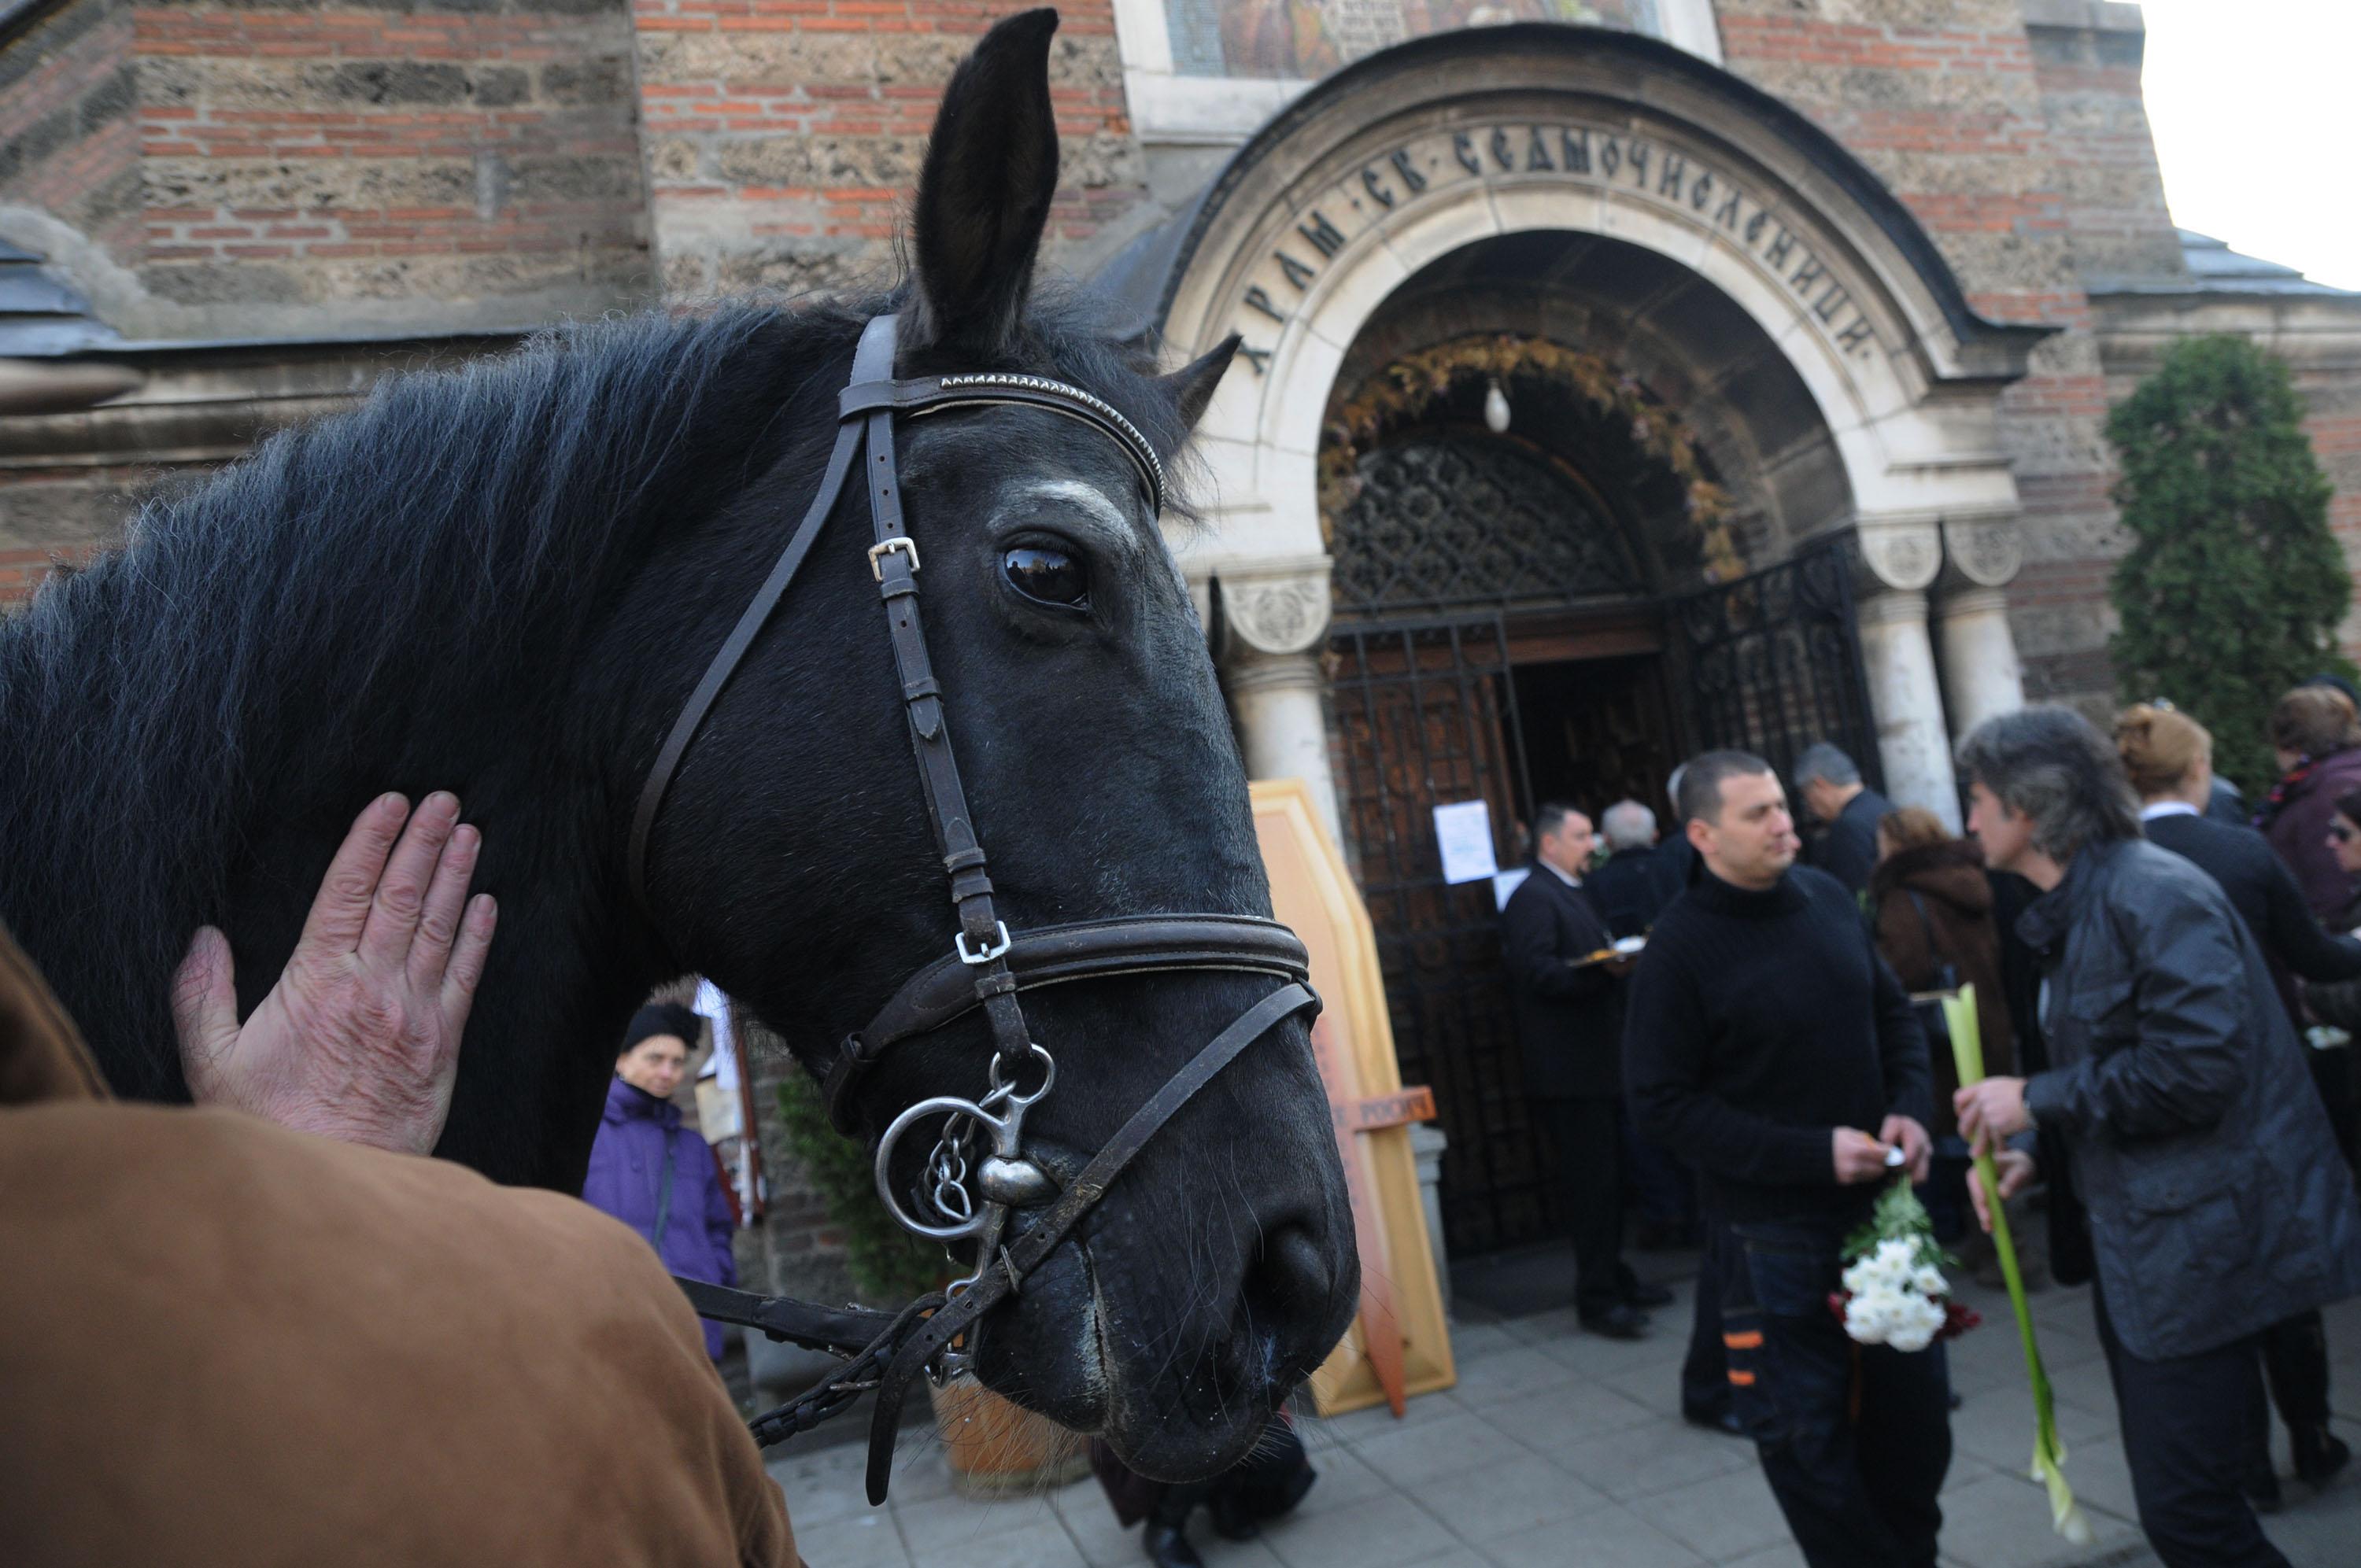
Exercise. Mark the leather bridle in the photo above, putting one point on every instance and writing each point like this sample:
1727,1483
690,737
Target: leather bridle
969,1196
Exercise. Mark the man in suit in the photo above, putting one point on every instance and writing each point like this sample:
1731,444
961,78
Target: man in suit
1637,880
1570,1029
1848,810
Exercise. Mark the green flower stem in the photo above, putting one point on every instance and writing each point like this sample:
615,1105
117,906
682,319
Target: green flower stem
2048,1454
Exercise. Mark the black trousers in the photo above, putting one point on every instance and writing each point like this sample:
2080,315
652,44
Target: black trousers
1590,1176
2295,1360
2184,1476
1705,1372
1855,1438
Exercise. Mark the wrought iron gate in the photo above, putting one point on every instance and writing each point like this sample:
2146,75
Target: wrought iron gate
1773,663
1424,717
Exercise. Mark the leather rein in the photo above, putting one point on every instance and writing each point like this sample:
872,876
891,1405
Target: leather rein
1007,1204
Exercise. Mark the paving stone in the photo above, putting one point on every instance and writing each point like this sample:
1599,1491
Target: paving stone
1722,1518
866,1540
1560,1417
1103,1543
2003,1522
1509,1374
1419,1456
1996,1426
1043,1543
1385,1532
1606,1537
1345,1479
1508,1499
1653,1459
939,1523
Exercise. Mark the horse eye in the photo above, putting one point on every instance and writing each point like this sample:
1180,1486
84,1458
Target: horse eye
1051,576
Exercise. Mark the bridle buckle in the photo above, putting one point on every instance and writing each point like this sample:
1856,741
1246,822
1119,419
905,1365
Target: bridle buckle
883,548
985,954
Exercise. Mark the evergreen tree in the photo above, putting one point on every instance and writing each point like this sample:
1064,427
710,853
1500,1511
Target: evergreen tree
2234,587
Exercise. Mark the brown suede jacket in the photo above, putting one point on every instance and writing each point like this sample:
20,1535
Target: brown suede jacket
224,1343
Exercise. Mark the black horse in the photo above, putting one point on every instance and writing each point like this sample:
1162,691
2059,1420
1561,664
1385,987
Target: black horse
503,581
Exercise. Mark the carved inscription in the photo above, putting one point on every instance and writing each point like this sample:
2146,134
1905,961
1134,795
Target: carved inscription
1588,156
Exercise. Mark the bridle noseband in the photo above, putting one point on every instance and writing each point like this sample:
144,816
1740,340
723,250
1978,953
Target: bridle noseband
974,1196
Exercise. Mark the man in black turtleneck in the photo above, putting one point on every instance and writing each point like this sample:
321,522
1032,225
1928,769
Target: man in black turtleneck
1764,1036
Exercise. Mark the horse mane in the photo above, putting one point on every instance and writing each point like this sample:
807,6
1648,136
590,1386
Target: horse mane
261,634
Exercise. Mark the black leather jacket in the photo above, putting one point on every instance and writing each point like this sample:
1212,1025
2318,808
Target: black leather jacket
2218,1202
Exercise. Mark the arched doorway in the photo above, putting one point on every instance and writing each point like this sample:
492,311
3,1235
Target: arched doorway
1715,263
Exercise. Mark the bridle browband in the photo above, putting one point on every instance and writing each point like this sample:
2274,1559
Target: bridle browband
989,967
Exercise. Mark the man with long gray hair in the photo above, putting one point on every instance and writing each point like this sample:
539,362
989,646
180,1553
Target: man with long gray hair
2177,1105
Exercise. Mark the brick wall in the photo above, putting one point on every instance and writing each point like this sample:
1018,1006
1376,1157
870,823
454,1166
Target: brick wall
784,135
68,137
1953,105
307,156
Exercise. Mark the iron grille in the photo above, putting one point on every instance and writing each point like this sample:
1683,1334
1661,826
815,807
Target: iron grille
1424,718
1449,518
1773,662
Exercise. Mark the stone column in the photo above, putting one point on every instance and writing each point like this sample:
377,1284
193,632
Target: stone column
1908,703
1275,620
1981,672
1902,556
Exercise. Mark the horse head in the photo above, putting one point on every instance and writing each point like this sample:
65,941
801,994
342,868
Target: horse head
793,859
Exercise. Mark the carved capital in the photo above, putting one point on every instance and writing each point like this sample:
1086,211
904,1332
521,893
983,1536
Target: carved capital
1984,552
1277,612
1903,553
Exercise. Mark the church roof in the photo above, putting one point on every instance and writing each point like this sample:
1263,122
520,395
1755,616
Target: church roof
2218,270
42,314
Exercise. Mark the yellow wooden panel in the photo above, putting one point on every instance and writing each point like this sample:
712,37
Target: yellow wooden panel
1312,891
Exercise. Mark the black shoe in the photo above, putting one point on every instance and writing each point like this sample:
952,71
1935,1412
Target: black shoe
1620,1321
1639,1293
2317,1464
1168,1547
1724,1421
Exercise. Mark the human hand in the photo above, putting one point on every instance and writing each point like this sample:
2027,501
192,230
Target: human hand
1990,1111
2014,1170
1918,1148
1859,1157
359,1040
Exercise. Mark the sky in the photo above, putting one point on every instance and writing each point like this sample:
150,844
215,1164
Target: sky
2257,109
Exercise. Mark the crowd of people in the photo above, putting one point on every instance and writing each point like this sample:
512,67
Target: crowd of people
2167,1002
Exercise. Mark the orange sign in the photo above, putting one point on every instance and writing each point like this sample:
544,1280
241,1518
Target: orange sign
1399,1344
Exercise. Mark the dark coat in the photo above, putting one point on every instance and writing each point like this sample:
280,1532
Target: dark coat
1569,1021
2340,1003
1847,848
2298,830
2218,1205
2264,893
1632,888
626,1177
2224,803
1933,906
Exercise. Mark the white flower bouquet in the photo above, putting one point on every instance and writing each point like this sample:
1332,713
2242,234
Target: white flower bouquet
1895,1293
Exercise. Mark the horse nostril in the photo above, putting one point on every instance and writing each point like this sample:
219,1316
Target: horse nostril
1290,1276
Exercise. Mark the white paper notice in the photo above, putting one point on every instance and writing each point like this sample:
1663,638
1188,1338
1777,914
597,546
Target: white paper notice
1463,832
1508,881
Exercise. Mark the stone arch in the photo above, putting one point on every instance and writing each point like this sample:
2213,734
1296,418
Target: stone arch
1399,162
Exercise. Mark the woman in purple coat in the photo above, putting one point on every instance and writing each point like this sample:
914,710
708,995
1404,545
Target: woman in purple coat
650,1172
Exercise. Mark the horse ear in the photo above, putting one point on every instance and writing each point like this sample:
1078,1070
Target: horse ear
1191,387
984,190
